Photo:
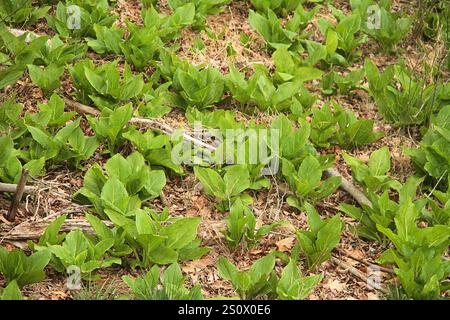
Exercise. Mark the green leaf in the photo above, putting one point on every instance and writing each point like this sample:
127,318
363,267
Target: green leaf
227,270
380,162
115,195
11,292
236,179
47,78
156,181
212,182
182,232
51,234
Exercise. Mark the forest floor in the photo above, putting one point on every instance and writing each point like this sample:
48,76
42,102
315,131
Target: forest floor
182,194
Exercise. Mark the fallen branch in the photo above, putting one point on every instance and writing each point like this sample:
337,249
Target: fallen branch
384,269
11,216
81,108
356,273
350,188
33,230
9,187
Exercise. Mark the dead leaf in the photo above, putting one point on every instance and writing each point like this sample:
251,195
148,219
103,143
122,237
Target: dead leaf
335,285
373,296
198,265
285,244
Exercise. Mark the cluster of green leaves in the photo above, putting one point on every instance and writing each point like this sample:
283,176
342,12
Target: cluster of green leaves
157,149
292,285
142,44
373,176
344,36
438,211
169,26
242,226
293,142
91,13
168,286
324,55
418,255
434,18
11,166
323,236
159,239
59,52
236,143
40,137
157,102
77,249
282,92
215,119
152,238
50,142
45,58
80,250
20,269
341,127
228,185
109,126
15,54
283,7
381,23
203,8
20,12
199,87
402,98
306,181
262,281
288,67
431,158
104,85
382,209
333,82
46,78
127,183
270,27
120,247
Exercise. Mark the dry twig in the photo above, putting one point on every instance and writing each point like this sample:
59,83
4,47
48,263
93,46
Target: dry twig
356,273
17,196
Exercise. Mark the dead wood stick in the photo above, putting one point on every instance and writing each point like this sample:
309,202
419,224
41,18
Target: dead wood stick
9,187
18,33
350,188
33,230
17,196
81,108
384,269
30,34
356,273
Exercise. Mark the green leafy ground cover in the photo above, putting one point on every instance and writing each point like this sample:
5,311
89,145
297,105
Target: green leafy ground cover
354,85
